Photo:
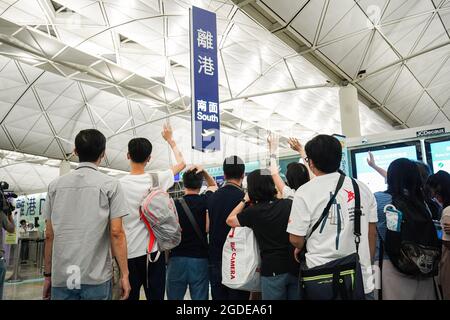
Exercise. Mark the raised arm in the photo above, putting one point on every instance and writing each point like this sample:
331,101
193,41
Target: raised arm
210,182
232,219
295,145
373,165
167,134
273,148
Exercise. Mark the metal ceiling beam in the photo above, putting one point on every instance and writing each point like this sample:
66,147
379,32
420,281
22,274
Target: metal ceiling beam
249,96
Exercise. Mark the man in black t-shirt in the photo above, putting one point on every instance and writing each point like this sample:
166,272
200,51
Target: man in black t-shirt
220,205
188,264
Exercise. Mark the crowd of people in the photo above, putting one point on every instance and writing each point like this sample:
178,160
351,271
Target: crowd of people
97,245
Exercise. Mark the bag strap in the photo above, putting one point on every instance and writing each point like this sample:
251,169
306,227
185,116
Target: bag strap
327,208
358,214
152,238
380,264
192,221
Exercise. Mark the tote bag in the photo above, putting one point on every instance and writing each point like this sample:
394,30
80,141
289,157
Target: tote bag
241,261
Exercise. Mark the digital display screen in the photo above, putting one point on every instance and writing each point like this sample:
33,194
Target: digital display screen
439,155
383,156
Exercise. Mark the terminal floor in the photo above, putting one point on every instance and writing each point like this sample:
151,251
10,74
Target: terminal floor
30,288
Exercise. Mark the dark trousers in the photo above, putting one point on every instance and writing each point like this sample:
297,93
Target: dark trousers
218,290
156,271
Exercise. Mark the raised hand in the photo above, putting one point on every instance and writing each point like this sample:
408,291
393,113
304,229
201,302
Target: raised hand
295,145
167,133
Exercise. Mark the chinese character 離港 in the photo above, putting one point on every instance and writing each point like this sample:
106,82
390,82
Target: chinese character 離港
201,105
212,107
204,39
206,65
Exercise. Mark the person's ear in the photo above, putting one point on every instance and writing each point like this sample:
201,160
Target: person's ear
128,156
311,164
148,159
75,152
102,156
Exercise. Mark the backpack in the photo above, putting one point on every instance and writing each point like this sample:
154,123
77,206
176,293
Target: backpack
241,261
411,239
159,214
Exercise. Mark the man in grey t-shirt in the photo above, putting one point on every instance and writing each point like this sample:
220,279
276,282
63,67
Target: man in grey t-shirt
83,212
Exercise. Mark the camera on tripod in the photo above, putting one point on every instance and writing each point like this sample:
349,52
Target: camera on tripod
6,198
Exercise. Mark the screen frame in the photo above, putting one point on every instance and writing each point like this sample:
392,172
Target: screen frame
413,143
428,143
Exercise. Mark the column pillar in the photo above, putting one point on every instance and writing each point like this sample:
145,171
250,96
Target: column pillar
349,106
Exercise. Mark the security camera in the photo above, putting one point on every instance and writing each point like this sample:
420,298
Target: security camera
361,74
364,140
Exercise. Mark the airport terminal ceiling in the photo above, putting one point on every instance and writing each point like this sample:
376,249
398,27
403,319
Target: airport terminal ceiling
122,66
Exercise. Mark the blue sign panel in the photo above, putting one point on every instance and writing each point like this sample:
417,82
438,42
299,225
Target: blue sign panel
204,81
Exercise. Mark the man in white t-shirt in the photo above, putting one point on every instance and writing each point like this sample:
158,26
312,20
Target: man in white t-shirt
324,157
151,275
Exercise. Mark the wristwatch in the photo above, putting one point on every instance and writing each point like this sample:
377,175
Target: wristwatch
244,201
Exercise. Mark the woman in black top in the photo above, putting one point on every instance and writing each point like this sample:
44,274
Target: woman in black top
268,218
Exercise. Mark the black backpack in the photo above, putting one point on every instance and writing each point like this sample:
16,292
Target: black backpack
416,249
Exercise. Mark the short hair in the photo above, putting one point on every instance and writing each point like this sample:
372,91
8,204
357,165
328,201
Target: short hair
326,153
90,144
139,149
297,175
233,167
439,183
260,186
192,179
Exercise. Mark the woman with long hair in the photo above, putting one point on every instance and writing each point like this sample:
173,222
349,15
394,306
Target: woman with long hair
439,184
404,182
268,217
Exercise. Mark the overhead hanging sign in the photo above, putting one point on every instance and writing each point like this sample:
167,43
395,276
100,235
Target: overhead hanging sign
204,81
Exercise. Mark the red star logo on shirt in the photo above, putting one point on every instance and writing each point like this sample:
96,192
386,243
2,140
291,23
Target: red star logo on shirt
350,195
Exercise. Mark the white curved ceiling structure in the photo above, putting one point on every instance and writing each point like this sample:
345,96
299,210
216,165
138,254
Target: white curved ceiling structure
122,66
396,52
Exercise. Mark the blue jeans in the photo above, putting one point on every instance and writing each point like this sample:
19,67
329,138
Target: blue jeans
218,290
370,296
280,287
2,276
86,292
183,272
